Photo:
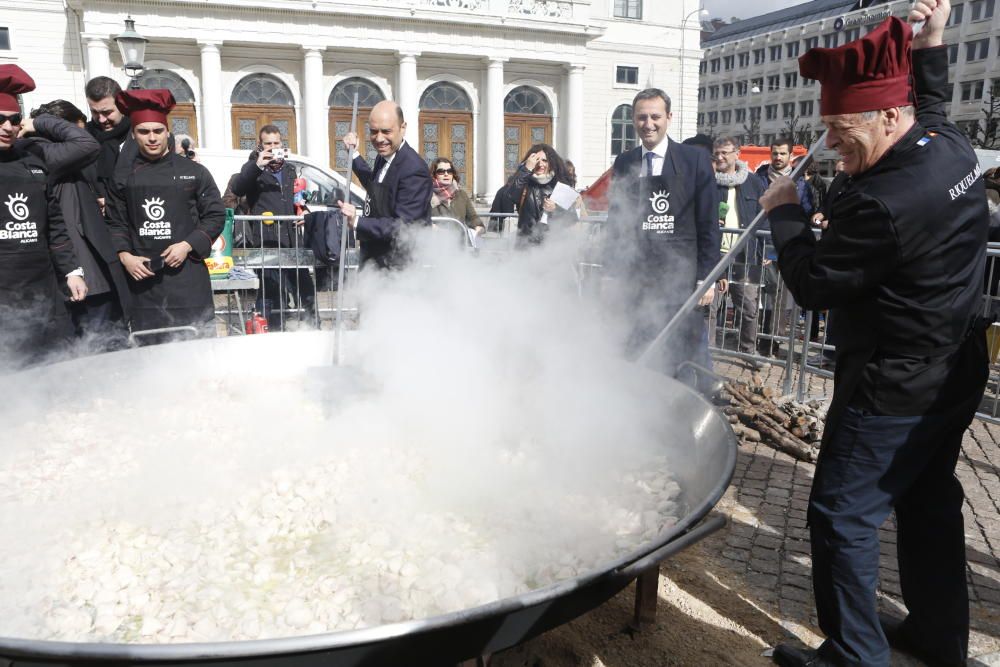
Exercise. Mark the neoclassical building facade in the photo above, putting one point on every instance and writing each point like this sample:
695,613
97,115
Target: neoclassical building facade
478,80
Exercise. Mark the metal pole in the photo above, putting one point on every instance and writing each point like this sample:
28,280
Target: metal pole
342,257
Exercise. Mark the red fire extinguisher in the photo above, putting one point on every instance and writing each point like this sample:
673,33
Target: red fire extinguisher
257,324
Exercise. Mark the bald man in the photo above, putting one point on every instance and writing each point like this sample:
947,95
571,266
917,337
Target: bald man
398,185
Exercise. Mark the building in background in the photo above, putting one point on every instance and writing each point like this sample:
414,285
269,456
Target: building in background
749,81
479,80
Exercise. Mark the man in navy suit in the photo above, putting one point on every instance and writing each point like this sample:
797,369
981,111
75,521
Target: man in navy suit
399,189
663,231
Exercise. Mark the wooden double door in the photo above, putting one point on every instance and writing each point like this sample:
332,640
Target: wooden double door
449,134
521,132
184,120
249,118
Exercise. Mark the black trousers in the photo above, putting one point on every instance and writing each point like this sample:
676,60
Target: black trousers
279,289
872,465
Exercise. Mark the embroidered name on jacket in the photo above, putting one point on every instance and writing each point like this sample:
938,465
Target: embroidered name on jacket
959,189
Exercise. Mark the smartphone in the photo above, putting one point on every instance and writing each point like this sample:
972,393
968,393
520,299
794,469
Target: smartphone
155,264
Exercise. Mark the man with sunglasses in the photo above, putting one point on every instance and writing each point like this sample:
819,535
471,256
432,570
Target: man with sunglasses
36,253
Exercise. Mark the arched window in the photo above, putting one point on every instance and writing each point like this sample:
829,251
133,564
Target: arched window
526,100
262,89
258,100
183,119
164,78
342,95
445,97
622,130
527,121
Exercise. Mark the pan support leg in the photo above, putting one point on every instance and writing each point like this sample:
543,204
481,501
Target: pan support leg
647,587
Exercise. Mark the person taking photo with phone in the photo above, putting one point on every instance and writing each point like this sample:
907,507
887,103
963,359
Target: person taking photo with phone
165,212
267,182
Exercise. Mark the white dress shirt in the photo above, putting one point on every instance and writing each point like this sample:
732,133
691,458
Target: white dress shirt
659,155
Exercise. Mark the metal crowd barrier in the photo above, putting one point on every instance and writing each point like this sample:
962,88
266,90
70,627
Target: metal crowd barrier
294,290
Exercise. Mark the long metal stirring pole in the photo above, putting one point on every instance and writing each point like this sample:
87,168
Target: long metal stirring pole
728,258
720,268
342,257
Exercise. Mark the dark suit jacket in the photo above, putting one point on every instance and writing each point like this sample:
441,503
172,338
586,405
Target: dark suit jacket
409,184
693,198
748,196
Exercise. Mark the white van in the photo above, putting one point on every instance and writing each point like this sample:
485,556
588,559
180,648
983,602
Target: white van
320,181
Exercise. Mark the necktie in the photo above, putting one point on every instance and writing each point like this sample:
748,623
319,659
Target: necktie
649,163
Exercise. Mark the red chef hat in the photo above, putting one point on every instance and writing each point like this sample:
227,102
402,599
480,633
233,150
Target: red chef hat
145,106
13,82
868,74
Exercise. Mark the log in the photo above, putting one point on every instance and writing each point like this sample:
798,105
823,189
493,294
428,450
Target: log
790,446
746,433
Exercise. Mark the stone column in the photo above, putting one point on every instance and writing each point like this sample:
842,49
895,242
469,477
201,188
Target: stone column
314,109
494,126
406,96
213,108
98,55
573,116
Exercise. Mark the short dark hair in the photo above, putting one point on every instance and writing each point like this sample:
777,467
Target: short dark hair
439,160
60,109
268,129
784,140
100,87
651,94
730,141
700,140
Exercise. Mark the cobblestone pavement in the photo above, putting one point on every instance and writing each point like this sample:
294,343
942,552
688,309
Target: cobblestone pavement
767,541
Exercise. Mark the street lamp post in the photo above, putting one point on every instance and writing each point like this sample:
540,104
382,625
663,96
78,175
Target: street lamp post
702,12
132,46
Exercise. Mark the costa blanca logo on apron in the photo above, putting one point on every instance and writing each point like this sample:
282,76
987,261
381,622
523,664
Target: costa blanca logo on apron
20,228
658,221
368,206
17,204
154,225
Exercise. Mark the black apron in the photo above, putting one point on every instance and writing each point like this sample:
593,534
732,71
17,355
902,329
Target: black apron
33,319
664,272
160,215
386,254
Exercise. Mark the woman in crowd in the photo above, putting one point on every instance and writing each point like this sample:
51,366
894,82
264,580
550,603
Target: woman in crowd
55,134
448,199
530,188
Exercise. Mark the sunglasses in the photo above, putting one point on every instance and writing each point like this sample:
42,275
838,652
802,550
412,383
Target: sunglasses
14,118
440,172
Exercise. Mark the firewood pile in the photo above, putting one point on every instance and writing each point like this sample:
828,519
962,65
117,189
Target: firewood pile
756,415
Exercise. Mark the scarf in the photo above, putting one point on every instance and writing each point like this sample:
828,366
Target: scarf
110,141
773,174
543,179
445,193
735,179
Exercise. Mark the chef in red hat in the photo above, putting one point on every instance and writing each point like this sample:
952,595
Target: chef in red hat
165,212
36,253
901,265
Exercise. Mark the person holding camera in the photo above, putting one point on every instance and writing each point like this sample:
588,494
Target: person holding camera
185,147
165,212
268,184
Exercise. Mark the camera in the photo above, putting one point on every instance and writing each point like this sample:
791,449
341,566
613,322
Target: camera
278,154
186,147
